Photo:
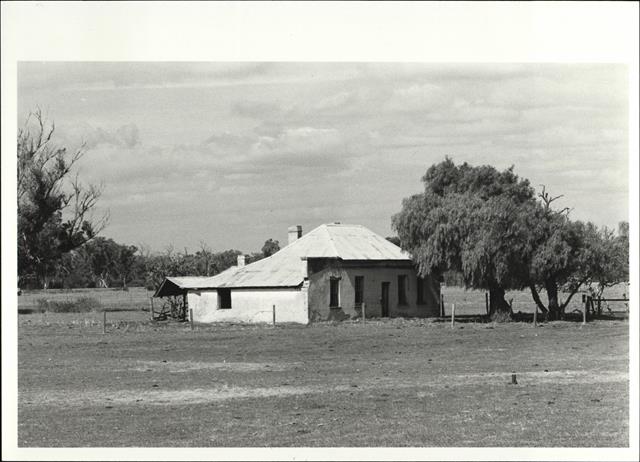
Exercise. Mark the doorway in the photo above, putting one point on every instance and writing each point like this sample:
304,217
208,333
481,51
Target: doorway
384,300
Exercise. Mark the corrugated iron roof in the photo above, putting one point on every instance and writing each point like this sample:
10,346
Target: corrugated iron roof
284,268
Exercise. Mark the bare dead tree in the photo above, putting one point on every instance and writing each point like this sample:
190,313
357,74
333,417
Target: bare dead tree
547,199
206,256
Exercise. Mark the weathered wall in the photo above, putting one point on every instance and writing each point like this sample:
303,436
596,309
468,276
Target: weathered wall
374,274
251,306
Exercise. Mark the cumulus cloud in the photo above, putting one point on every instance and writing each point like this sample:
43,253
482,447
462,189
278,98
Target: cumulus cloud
299,140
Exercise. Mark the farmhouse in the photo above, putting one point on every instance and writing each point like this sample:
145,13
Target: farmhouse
326,274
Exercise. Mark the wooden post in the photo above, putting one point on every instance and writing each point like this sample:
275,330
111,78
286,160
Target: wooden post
453,314
104,322
513,379
191,317
535,317
442,305
274,315
364,313
152,312
486,302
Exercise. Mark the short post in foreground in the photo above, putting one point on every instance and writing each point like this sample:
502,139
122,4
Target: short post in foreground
364,315
535,317
152,313
274,315
442,305
104,322
191,317
486,302
584,313
453,314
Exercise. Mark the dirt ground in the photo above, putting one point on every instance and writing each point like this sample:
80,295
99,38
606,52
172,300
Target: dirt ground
388,383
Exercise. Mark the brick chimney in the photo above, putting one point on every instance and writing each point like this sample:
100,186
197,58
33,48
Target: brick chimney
295,233
240,261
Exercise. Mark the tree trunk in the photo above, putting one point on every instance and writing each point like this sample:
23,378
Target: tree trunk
536,298
498,306
554,312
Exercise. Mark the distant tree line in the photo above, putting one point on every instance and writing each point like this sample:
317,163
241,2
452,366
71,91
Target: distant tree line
492,231
102,262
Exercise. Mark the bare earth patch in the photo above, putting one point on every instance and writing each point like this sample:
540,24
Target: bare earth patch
187,366
214,394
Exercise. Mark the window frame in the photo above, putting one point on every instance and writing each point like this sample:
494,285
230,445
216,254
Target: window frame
334,281
420,298
222,294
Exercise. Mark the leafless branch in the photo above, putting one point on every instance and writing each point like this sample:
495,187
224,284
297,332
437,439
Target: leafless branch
547,200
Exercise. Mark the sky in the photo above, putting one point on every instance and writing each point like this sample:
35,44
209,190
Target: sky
231,154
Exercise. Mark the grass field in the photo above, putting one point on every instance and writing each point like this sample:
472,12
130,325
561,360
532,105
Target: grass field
389,383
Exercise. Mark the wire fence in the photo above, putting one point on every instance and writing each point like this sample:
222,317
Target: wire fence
473,302
79,300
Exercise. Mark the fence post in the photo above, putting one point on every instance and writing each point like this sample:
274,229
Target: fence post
442,305
191,317
104,322
535,316
486,302
364,313
152,311
274,315
453,314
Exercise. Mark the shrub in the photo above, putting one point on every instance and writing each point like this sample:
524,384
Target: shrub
79,305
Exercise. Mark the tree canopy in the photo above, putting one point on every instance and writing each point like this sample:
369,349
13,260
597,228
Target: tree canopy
469,220
491,229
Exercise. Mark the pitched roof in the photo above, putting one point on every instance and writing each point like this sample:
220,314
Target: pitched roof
284,268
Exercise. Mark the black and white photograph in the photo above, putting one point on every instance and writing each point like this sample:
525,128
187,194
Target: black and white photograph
329,256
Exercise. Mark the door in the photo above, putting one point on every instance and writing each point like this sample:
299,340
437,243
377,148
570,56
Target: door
384,300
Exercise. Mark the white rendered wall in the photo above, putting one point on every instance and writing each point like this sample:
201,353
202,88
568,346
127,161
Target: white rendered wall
251,306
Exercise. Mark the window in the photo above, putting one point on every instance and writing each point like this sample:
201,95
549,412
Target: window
402,289
359,290
420,290
334,292
224,299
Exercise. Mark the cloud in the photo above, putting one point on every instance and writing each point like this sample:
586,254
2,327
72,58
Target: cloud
254,109
197,148
298,141
122,75
126,136
424,97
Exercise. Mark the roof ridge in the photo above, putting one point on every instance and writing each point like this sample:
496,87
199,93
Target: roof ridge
354,225
333,244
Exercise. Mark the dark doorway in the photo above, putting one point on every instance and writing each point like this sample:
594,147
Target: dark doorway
384,300
359,290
